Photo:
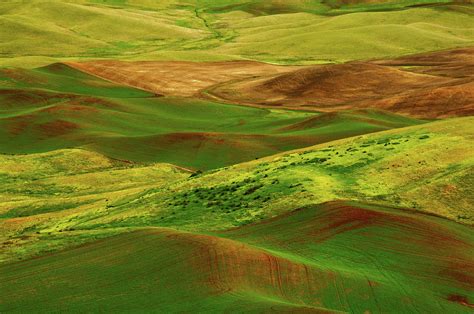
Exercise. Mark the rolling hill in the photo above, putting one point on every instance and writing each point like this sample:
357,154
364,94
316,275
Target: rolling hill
58,107
254,156
312,32
425,168
179,78
311,260
418,86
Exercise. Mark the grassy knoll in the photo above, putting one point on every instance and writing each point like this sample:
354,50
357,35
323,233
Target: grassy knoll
40,189
40,31
57,107
330,258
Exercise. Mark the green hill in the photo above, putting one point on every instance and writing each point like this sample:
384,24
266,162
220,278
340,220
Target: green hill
132,185
426,168
330,258
40,31
303,36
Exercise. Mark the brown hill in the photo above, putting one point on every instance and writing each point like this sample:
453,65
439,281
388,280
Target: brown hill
427,85
177,78
452,63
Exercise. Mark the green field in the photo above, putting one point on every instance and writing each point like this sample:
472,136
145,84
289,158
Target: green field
345,257
294,31
120,199
404,168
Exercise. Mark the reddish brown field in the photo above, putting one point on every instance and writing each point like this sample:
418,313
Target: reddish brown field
177,78
414,85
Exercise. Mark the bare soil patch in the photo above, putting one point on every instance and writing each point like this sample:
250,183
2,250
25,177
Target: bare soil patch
430,85
434,85
177,78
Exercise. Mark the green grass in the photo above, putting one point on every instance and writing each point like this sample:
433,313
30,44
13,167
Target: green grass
319,258
39,32
60,78
52,186
99,210
101,227
301,36
425,168
57,107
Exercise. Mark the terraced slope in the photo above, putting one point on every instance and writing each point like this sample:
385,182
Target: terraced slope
58,107
418,86
328,258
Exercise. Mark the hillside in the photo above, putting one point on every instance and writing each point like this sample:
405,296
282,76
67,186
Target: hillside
39,32
425,168
325,269
58,107
179,78
418,86
229,156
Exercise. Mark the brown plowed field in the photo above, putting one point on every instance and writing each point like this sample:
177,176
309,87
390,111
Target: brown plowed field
430,85
177,78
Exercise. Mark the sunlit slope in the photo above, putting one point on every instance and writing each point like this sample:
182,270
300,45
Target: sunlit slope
38,32
58,107
327,258
428,168
37,191
62,28
301,36
424,168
